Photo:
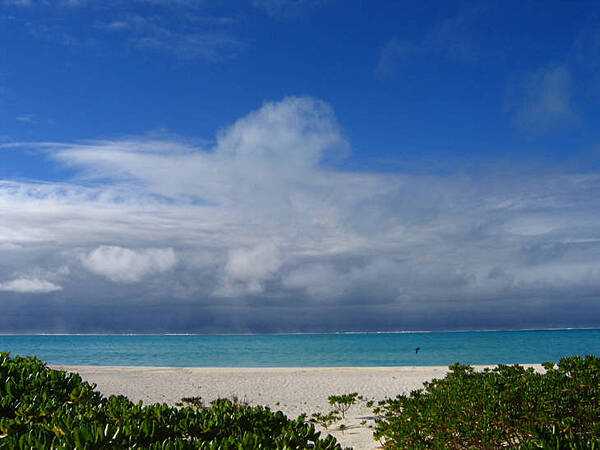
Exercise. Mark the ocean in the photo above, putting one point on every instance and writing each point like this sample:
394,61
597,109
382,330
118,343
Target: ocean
307,350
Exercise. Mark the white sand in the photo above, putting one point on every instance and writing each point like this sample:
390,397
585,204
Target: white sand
291,390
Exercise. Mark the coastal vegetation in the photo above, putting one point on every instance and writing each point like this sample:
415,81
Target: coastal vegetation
504,407
42,408
511,407
340,404
343,402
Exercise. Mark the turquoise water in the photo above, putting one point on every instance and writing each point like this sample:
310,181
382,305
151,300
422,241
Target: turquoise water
293,350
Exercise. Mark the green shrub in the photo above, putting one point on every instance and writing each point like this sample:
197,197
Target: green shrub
41,408
342,403
504,407
325,419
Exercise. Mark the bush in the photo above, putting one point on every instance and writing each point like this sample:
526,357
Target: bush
504,407
41,408
342,403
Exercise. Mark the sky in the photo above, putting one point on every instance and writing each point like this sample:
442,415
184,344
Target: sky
298,165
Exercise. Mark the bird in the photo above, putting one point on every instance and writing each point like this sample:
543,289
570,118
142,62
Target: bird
417,350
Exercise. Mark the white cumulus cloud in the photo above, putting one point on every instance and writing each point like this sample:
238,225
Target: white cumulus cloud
29,286
248,268
124,265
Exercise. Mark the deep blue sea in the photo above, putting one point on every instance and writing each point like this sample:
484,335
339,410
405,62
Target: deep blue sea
294,350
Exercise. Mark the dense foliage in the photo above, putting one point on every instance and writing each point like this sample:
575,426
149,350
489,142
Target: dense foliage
42,408
504,407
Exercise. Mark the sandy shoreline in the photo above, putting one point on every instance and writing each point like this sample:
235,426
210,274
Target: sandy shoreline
291,390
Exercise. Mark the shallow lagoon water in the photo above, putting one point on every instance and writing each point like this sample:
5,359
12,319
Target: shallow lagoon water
308,350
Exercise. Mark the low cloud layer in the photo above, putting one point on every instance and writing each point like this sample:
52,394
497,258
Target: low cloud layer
261,220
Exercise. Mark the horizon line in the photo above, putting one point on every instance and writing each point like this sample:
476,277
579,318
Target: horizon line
485,330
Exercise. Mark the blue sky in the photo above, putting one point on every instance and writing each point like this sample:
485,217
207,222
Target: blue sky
224,164
450,80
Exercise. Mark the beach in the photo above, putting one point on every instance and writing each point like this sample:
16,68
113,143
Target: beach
291,390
